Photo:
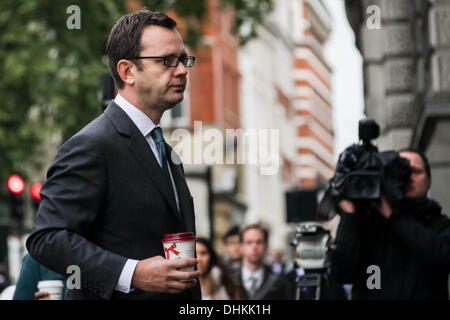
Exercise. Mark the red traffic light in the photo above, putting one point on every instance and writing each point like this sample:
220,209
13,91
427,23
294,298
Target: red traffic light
16,184
35,191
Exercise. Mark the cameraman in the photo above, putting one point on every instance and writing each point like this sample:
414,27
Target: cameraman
408,240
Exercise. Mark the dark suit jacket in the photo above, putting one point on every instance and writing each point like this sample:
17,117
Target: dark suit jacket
273,287
106,200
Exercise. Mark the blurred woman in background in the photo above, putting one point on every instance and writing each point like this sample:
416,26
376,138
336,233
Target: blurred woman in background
215,279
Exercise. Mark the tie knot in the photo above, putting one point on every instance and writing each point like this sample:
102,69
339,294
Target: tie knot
157,135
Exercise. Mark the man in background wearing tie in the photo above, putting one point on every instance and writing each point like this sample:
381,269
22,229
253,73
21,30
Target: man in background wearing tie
113,190
255,276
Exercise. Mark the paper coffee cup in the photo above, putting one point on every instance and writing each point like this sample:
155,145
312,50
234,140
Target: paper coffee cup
179,245
53,287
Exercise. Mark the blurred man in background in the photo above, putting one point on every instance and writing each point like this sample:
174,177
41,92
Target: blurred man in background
255,276
232,245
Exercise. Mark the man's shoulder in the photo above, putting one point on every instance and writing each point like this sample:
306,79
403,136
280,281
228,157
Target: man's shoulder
437,220
274,286
434,209
93,139
99,127
94,132
441,221
112,120
272,277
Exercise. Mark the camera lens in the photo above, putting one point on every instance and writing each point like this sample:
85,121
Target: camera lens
366,186
363,185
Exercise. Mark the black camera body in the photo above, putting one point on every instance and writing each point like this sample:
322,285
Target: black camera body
364,174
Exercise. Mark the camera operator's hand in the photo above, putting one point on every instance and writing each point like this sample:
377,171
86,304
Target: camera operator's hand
384,207
347,206
346,163
396,175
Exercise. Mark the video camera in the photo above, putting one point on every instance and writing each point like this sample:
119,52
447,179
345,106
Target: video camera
363,173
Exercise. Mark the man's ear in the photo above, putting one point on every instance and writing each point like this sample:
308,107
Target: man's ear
126,70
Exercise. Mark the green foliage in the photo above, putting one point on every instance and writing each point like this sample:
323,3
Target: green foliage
50,75
250,13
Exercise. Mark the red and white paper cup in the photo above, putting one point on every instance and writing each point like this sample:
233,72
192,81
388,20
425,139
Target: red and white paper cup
179,245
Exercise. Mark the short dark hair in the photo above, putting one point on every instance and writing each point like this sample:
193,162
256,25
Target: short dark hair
124,41
425,162
257,226
233,231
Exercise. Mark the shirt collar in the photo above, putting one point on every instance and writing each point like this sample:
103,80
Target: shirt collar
140,119
258,274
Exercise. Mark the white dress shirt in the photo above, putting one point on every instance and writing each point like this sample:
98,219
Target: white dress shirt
252,278
145,126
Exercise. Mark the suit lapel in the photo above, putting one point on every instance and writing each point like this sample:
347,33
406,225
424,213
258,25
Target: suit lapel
266,285
143,153
139,147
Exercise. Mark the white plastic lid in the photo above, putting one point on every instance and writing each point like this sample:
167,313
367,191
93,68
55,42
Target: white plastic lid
50,283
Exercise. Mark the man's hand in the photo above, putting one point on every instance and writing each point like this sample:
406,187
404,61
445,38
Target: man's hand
384,207
347,161
157,274
347,206
41,295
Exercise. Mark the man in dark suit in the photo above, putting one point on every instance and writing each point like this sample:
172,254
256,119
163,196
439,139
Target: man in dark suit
257,279
115,188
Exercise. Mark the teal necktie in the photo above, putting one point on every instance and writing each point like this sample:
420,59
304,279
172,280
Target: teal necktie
160,145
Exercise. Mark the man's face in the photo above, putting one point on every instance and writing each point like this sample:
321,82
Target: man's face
233,247
253,247
419,182
158,86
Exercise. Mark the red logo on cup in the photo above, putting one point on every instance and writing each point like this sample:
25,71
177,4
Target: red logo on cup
172,248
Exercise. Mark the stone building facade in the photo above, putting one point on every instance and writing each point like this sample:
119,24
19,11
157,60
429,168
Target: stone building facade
406,71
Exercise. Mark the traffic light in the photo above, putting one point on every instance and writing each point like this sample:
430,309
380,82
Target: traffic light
16,186
35,195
